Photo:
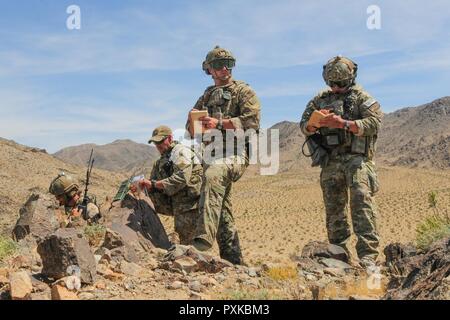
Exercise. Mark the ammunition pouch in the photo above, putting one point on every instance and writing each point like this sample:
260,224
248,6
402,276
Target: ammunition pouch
333,137
345,142
359,145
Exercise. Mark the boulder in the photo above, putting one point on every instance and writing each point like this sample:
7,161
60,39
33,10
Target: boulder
318,249
20,286
39,216
121,245
59,292
64,250
309,265
186,264
130,268
136,221
334,263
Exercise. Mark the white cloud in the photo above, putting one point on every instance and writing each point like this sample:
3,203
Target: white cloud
261,33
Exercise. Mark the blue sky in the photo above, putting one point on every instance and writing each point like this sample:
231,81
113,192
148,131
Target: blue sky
137,64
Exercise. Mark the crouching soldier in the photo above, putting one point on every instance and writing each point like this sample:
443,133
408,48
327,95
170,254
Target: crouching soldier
67,192
175,183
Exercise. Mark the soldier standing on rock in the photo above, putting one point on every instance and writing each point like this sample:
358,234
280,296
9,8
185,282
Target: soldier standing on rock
67,192
347,136
175,182
232,106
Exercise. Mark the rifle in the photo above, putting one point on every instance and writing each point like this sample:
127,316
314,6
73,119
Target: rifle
83,205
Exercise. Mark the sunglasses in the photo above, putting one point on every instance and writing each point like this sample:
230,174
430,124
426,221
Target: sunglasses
219,64
339,84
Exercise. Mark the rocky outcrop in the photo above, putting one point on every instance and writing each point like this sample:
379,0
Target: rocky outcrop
418,276
137,225
39,216
189,259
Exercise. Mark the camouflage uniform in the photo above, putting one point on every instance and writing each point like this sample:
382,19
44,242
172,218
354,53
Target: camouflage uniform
65,187
92,211
349,169
180,172
238,102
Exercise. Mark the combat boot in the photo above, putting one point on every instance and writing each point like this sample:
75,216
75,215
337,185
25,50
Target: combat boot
201,244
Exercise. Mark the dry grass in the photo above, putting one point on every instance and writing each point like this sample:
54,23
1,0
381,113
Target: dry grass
282,273
277,215
435,227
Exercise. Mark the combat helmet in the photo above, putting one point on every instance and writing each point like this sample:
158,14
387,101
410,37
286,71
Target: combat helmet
63,184
217,58
340,71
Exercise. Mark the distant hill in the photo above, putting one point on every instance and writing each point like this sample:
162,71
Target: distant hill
412,137
417,137
23,169
119,156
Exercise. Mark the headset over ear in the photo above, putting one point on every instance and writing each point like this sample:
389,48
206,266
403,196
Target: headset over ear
205,68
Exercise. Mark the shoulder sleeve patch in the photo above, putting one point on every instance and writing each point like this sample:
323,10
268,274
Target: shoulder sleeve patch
369,102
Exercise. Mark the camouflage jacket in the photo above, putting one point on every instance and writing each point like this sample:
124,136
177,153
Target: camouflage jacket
180,172
92,208
236,101
357,105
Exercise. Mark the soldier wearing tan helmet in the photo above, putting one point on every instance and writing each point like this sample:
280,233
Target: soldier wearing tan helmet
175,182
231,105
347,135
67,192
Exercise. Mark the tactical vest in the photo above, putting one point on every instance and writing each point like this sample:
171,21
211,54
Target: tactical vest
187,198
222,103
340,141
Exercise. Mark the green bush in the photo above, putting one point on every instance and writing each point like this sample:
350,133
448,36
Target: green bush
432,229
95,234
7,247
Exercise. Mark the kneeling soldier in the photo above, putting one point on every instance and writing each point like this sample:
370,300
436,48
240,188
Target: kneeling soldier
175,183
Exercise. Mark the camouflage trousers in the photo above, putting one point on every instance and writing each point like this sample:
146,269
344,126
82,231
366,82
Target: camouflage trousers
185,225
162,203
351,175
185,222
216,218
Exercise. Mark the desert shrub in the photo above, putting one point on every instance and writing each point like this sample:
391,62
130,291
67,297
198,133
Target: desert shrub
432,229
282,273
95,234
435,227
7,247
